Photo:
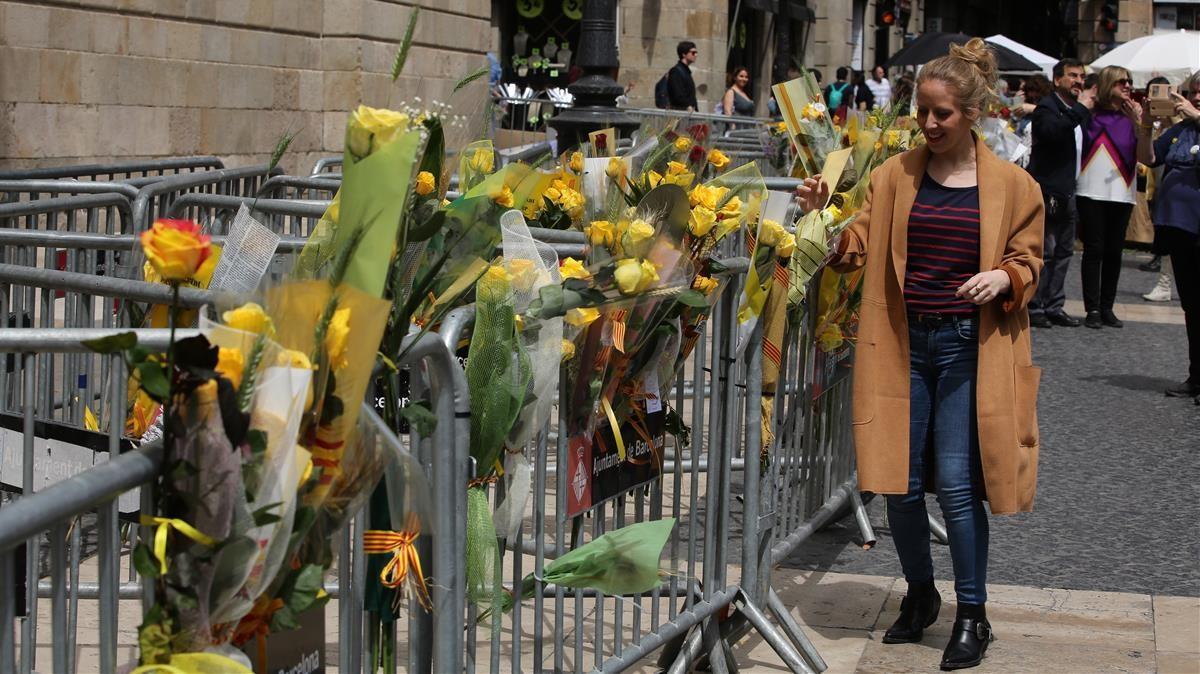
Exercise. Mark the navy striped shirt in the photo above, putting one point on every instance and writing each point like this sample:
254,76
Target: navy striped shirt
943,248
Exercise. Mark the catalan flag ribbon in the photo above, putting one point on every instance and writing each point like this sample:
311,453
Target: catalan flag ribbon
405,560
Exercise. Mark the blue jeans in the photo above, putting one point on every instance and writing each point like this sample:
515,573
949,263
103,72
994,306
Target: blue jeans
942,405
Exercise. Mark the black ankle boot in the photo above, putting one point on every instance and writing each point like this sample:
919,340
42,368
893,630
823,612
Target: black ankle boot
970,638
918,610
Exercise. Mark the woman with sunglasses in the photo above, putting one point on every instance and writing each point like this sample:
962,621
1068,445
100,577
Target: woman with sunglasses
1106,191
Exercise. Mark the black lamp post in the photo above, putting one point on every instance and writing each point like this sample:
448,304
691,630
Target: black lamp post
596,91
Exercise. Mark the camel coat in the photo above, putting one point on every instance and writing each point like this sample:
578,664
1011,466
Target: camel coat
1010,229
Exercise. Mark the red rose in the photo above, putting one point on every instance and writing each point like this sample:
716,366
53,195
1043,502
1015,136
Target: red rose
602,142
1005,113
697,154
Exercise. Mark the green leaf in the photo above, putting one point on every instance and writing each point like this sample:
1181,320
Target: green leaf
284,620
154,380
420,416
405,44
144,562
262,517
305,589
692,298
257,440
113,343
469,79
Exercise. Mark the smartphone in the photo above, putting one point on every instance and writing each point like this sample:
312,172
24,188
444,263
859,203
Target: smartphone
1161,104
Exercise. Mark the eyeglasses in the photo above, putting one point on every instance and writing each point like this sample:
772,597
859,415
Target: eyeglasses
1123,82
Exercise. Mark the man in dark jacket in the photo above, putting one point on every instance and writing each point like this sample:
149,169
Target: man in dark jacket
1058,123
681,89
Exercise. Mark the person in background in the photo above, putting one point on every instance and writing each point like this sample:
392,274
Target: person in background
881,88
736,101
863,98
1105,191
902,101
839,95
816,76
681,88
1177,214
949,241
1032,91
1088,95
1057,126
1162,289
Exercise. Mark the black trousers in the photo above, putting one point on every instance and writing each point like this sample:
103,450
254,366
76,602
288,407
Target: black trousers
1103,225
1058,248
1184,249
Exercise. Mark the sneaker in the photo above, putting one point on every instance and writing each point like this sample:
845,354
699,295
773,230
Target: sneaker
1093,320
1061,318
1154,264
1039,321
1187,389
1110,319
1161,291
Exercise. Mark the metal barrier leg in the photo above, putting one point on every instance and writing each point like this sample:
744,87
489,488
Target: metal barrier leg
769,634
716,651
938,530
689,653
864,522
793,631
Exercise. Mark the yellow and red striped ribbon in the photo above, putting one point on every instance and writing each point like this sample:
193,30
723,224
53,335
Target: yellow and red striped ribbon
405,560
618,329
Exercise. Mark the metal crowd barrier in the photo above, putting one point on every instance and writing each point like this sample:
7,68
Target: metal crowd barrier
326,165
118,171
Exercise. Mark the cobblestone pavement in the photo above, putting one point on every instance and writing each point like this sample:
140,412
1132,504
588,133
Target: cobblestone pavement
1119,476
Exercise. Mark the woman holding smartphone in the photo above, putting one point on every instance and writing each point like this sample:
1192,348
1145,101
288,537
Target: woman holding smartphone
944,385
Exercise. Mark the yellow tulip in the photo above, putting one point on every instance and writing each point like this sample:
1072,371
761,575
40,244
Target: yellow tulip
230,365
572,268
337,334
249,317
616,169
701,221
581,316
176,249
718,159
425,183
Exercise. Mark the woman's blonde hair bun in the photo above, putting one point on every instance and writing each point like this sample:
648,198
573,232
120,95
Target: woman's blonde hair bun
970,69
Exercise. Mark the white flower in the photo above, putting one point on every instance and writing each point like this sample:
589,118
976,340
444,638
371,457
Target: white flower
1195,149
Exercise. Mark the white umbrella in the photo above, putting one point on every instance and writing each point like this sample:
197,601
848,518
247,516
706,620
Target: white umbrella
1044,61
1174,55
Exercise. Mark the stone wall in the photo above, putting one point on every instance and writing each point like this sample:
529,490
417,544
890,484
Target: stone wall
649,31
117,80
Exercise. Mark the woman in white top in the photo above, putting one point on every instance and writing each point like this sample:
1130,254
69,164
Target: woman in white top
1105,191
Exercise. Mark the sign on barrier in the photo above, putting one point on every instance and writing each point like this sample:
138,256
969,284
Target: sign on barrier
596,472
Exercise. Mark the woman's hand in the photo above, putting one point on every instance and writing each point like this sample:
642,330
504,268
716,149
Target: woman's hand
985,286
1184,107
813,193
1132,110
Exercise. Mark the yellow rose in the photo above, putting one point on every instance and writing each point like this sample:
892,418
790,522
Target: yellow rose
830,338
495,283
683,144
718,159
502,197
336,336
634,276
294,359
781,127
708,197
770,233
705,284
576,163
371,128
250,317
787,244
600,233
581,316
482,160
637,238
425,183
701,221
683,180
568,350
731,209
230,365
654,179
553,193
570,201
533,207
616,169
176,249
674,168
834,212
572,268
524,274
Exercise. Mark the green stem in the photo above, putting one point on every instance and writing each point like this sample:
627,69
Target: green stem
173,318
